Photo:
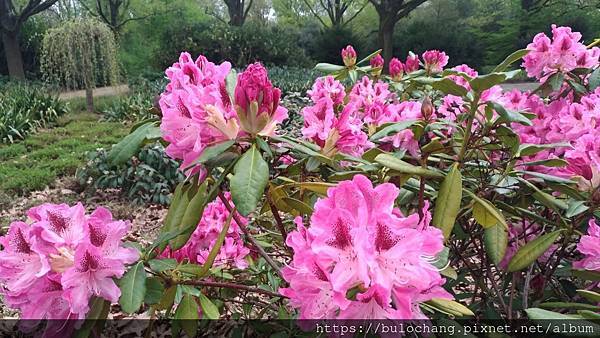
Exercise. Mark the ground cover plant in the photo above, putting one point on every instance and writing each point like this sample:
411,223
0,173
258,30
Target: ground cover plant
414,193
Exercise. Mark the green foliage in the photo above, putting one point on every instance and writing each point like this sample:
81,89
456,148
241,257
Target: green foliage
24,108
293,79
269,44
41,158
149,177
80,54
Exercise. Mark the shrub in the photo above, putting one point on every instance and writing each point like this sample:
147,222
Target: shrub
23,108
150,177
293,79
139,104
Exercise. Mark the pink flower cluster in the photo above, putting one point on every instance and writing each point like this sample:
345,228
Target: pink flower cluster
196,250
53,265
563,121
563,53
589,246
197,111
434,61
357,241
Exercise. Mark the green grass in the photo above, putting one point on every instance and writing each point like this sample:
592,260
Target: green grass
42,157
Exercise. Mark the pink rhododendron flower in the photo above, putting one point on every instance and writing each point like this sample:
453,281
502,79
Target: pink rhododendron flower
563,53
349,56
358,239
196,109
412,63
196,250
257,101
589,246
51,266
396,69
434,61
331,125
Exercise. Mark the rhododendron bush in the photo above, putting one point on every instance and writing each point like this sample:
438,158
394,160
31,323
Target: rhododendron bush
412,191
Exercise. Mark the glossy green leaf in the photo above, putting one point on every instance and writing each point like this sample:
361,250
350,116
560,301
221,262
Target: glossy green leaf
187,314
131,144
515,56
251,175
594,79
154,290
328,68
448,201
392,129
400,166
133,288
209,309
496,241
450,306
529,252
485,213
541,314
191,216
592,296
447,86
509,115
160,265
211,152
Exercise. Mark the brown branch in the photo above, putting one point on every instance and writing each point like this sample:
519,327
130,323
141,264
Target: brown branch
233,286
278,219
254,243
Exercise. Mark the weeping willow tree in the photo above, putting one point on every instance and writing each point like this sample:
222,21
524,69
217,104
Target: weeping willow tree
80,54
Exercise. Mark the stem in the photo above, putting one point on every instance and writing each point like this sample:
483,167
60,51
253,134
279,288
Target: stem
278,219
233,286
472,113
260,250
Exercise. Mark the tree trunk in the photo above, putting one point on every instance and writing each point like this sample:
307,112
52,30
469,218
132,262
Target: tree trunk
89,99
14,58
386,41
236,13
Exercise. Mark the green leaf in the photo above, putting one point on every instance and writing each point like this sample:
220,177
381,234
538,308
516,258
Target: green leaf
154,290
565,305
328,68
160,265
448,200
214,251
251,175
592,296
515,56
94,320
231,83
594,79
510,116
532,149
447,86
541,314
450,306
130,145
553,162
211,152
483,82
529,252
369,57
576,208
392,129
298,205
209,309
587,275
133,288
187,314
191,217
485,213
400,166
496,241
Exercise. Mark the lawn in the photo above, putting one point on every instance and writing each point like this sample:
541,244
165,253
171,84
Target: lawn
42,157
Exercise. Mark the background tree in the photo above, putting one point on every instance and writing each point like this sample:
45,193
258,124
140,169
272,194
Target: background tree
114,13
390,12
338,12
238,11
12,18
80,54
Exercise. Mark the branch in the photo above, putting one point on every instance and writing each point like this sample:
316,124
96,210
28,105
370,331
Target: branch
245,14
260,250
357,13
315,13
233,286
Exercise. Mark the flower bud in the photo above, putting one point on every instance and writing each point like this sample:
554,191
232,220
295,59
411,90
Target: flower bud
427,108
377,64
349,56
412,63
396,69
434,61
256,100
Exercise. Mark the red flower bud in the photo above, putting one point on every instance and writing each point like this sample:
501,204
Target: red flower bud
396,69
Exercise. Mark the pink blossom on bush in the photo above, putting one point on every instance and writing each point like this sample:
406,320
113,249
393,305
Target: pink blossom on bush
396,69
563,53
377,61
52,266
257,101
196,250
349,56
358,239
196,109
589,246
412,63
434,61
